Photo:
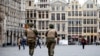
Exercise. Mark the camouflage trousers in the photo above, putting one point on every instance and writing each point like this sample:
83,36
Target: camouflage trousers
50,45
31,45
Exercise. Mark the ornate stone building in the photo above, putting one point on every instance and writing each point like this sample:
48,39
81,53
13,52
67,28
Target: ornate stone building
11,25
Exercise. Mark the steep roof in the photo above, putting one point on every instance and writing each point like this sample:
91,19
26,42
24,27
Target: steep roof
60,1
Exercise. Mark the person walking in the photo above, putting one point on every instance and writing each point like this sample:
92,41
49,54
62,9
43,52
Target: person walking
23,42
43,41
38,43
31,38
19,43
83,42
51,34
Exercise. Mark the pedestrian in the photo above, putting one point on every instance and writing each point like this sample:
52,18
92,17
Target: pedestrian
19,43
83,42
31,37
43,41
38,42
51,34
58,41
23,42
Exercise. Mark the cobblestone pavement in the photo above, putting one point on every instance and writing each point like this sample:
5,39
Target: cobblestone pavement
69,50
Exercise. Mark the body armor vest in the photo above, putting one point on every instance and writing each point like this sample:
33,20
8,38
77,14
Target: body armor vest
51,33
30,34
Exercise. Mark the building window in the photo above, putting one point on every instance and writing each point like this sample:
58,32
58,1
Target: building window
41,6
63,16
91,5
91,21
72,13
69,13
69,29
84,13
31,21
63,27
31,14
27,21
73,29
84,22
91,29
39,25
91,12
42,14
88,21
47,14
88,29
69,22
84,29
80,13
42,24
72,7
58,27
57,8
52,16
77,22
39,33
47,24
39,14
76,7
63,8
53,8
58,16
87,5
76,29
95,21
95,29
42,33
95,13
29,3
27,14
80,29
88,13
80,22
76,13
99,14
35,14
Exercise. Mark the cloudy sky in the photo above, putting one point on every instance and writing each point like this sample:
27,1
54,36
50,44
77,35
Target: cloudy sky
80,1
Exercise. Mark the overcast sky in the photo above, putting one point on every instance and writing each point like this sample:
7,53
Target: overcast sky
80,1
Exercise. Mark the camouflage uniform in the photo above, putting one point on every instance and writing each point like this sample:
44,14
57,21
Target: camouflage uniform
31,39
50,41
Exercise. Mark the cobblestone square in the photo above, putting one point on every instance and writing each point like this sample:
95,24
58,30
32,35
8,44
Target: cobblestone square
70,50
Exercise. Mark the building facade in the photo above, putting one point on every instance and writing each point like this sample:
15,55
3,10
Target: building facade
11,23
71,19
58,17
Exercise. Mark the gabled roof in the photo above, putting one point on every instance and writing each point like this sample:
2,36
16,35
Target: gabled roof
88,2
58,1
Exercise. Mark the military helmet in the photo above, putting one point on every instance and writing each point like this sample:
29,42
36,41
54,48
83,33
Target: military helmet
51,26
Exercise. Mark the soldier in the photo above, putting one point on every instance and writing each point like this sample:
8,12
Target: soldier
31,38
51,34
